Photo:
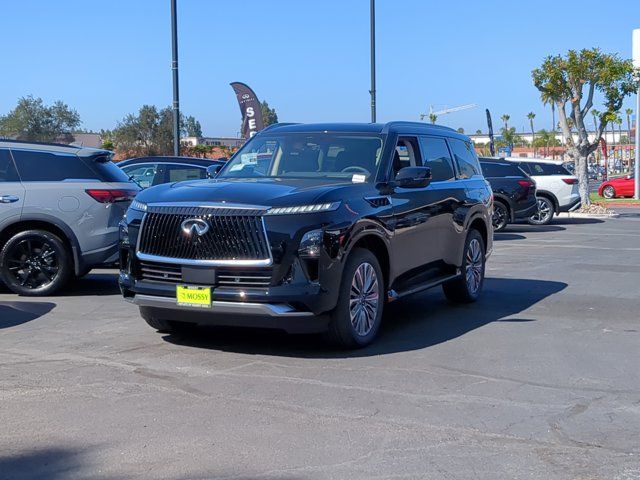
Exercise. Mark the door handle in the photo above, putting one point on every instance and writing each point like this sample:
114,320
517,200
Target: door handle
8,198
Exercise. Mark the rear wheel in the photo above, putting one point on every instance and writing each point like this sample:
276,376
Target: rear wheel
35,263
500,217
467,287
545,212
609,192
356,319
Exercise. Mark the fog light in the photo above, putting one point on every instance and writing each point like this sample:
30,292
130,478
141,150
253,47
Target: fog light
310,244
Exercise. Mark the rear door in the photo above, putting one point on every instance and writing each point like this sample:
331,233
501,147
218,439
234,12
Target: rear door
11,190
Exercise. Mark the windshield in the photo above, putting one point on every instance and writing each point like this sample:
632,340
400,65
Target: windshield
307,155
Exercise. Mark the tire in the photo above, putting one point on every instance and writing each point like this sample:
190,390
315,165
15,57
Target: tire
35,263
162,326
545,212
467,287
355,321
609,192
500,217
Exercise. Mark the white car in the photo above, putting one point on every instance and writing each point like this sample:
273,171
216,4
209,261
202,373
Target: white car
557,188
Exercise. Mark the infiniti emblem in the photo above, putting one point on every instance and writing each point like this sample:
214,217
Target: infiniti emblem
195,226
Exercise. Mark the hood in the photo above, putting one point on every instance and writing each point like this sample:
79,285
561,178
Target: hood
268,192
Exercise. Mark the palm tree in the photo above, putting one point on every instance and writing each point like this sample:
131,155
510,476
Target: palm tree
478,132
531,116
505,118
433,117
629,112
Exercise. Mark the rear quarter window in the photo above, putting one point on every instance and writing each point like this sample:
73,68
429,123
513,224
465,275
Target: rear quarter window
495,170
36,166
465,158
547,169
106,170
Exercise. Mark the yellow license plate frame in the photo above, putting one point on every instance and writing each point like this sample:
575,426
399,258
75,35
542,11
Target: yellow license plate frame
193,296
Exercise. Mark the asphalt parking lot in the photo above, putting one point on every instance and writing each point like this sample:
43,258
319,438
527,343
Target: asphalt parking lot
540,379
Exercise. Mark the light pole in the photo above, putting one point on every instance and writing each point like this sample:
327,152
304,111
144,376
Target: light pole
636,64
373,60
174,69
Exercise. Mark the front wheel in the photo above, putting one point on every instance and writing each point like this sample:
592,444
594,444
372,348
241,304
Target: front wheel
467,287
35,263
545,212
355,321
609,192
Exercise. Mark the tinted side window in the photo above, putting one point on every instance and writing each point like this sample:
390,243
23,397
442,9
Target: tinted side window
107,170
494,169
435,155
547,169
465,158
51,167
179,173
143,175
7,169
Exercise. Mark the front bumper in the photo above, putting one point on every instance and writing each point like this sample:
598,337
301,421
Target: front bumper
280,316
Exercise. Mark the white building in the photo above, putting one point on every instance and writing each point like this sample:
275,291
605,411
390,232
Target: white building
213,141
612,138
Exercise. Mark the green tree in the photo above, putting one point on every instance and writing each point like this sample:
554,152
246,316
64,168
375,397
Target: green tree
571,82
460,130
478,132
531,116
505,118
34,121
544,140
149,132
433,117
192,127
269,115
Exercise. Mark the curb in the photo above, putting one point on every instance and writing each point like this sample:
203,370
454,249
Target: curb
588,215
617,204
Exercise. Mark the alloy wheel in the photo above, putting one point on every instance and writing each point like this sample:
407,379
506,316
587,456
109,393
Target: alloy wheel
474,266
363,299
608,192
499,218
33,263
543,213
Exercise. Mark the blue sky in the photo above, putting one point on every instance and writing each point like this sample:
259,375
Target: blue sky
309,59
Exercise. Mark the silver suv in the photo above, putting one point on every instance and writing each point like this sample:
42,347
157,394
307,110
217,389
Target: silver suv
60,207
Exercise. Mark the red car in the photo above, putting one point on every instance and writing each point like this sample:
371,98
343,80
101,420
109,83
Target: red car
617,187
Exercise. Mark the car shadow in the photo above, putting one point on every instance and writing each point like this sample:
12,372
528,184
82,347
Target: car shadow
409,324
17,313
526,228
501,236
99,283
576,221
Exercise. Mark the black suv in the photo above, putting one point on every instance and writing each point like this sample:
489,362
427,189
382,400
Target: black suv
312,228
514,192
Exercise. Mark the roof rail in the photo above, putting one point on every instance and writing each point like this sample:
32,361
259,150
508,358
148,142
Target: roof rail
275,125
50,144
398,123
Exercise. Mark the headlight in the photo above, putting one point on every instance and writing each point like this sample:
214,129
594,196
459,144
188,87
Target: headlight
310,244
124,232
139,206
318,207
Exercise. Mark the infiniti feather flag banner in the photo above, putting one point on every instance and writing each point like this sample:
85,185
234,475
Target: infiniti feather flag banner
250,109
492,147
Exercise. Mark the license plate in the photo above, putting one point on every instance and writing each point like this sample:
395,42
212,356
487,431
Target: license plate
192,296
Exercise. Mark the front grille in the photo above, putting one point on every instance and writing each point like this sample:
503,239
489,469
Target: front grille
234,234
225,277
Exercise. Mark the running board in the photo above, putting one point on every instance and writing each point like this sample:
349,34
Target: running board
393,295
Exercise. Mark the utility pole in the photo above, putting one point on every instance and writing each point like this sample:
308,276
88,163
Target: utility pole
373,60
636,63
174,69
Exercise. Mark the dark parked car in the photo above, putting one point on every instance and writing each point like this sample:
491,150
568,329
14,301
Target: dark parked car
149,171
312,228
514,192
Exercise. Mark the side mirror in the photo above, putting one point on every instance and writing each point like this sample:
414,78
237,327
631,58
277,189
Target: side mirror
212,170
413,177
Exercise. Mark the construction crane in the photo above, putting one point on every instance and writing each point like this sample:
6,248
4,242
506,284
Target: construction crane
433,115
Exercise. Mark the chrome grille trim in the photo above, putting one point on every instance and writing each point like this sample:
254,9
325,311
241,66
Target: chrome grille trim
172,274
237,236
